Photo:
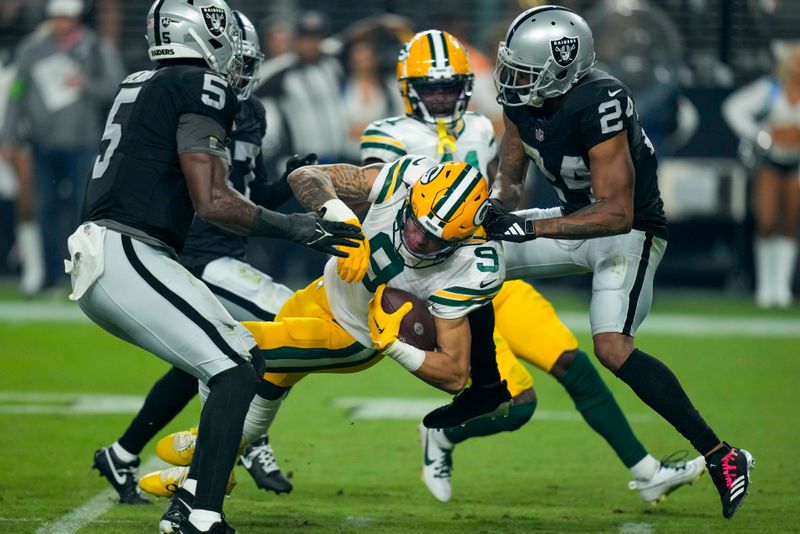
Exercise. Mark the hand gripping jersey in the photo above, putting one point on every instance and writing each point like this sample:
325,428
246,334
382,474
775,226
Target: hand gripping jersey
137,179
389,139
595,110
466,280
206,241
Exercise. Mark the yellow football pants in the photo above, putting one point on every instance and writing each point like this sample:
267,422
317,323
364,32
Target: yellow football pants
304,338
527,327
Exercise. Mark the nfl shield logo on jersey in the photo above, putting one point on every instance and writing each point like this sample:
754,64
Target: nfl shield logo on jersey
539,134
215,19
564,50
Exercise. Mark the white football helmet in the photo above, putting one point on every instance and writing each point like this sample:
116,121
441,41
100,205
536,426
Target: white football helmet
546,51
179,29
251,56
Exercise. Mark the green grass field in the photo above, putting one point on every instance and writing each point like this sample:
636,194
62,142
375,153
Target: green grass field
362,475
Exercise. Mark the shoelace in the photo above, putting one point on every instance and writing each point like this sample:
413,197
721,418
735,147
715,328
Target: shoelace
729,467
265,457
676,460
186,440
444,467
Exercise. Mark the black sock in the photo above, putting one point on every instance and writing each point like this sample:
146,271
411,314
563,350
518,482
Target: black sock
166,399
219,434
483,356
659,388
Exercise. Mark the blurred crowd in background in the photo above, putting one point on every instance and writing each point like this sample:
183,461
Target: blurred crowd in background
730,180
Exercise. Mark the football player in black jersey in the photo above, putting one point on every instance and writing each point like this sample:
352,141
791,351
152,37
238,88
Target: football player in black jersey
579,125
162,158
218,258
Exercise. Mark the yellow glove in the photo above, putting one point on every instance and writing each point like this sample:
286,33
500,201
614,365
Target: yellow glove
384,327
354,266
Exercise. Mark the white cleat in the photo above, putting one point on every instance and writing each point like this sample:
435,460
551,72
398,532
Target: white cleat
437,464
670,476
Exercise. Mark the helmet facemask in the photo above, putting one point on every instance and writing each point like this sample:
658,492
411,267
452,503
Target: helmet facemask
438,99
416,246
522,85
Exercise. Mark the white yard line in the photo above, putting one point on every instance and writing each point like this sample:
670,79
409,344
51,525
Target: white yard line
78,518
17,312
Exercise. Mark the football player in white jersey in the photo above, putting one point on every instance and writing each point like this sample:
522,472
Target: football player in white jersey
419,238
435,80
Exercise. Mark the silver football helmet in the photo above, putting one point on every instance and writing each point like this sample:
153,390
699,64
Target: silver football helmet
546,51
251,56
180,29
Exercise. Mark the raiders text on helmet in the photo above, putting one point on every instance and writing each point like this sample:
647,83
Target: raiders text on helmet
180,29
546,51
435,77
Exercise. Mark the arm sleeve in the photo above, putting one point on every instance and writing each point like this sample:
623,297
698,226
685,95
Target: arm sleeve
741,108
199,133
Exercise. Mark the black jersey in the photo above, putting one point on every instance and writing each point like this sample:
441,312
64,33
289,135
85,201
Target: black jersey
137,179
558,137
207,241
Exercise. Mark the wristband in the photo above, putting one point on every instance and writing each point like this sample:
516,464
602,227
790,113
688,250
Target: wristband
337,211
411,358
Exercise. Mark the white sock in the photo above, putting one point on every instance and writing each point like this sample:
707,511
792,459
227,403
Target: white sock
190,485
645,468
441,440
122,454
763,249
203,519
31,252
785,258
260,416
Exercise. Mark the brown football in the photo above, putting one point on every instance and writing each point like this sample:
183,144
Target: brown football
417,327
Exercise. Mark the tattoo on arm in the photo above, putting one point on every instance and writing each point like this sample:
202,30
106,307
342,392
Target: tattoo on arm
314,185
594,220
512,169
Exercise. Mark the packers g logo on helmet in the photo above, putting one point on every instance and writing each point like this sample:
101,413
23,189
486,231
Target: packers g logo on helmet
443,210
435,77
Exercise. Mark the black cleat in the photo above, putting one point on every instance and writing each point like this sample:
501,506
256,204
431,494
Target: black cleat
177,512
121,475
217,528
259,460
730,470
493,400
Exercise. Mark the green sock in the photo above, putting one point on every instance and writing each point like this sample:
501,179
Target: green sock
599,408
518,415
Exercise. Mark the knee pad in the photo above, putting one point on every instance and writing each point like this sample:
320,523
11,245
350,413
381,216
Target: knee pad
240,381
519,414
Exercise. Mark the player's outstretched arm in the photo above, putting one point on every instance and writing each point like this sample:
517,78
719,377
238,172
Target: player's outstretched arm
314,185
214,200
512,168
611,213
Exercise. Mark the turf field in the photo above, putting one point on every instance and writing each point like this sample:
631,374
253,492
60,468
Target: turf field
67,388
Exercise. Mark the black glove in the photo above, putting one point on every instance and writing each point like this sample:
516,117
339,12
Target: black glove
502,225
311,230
295,162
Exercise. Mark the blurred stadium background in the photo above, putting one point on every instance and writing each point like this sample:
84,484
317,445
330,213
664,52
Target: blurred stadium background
680,57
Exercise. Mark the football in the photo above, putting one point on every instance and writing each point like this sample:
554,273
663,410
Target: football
417,327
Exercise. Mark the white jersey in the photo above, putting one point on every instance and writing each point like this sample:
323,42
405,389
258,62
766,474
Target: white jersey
466,280
389,139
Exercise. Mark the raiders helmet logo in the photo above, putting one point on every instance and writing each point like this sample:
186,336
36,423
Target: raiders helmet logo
564,50
215,19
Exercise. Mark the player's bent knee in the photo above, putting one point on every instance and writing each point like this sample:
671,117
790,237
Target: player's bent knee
612,349
563,363
520,412
239,381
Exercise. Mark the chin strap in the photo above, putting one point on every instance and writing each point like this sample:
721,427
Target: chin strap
447,143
